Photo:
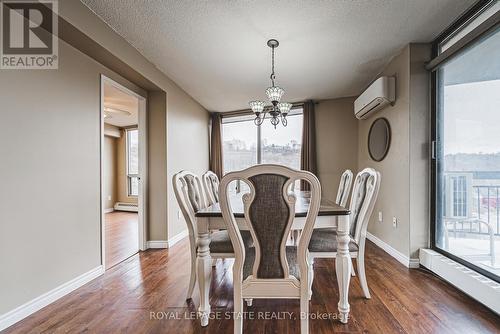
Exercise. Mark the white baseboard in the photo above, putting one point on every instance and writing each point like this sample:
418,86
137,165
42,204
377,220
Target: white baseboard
405,260
23,311
109,210
176,238
479,287
157,244
167,243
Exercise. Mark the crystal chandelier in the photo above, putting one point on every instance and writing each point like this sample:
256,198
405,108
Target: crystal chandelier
277,110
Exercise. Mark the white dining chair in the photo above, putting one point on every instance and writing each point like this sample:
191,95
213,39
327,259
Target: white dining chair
189,194
211,185
344,188
270,269
323,242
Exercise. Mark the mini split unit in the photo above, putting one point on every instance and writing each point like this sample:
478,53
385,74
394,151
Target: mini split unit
378,95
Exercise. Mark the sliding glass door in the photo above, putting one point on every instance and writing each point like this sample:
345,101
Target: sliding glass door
467,156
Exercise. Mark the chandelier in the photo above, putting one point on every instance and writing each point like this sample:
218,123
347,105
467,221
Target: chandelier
277,110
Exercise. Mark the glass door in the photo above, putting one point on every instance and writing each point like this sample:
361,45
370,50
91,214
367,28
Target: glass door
467,153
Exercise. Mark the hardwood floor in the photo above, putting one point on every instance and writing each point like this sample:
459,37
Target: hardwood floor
130,298
122,236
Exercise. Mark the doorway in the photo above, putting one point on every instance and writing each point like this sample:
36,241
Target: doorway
123,167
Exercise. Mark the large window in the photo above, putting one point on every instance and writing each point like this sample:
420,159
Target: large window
466,164
133,162
245,144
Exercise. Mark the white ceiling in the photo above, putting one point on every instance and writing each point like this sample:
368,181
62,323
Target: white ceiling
216,50
124,107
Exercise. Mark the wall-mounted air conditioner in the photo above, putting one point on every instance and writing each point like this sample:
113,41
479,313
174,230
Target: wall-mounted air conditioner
380,93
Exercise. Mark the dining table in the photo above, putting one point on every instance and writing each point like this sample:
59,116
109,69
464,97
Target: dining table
330,215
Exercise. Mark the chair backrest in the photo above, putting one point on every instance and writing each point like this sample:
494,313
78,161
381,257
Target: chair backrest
189,194
344,188
269,210
211,185
364,196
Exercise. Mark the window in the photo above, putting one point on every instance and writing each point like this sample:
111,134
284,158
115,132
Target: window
466,162
133,162
245,144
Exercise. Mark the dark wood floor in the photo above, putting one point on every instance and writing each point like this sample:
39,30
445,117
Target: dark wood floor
122,236
123,299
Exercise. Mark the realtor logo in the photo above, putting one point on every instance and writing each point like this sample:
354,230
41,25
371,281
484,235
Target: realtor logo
28,34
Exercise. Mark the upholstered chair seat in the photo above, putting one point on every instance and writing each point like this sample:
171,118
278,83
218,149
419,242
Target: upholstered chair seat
325,240
221,242
291,257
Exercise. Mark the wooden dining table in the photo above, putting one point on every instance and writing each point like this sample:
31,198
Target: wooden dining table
330,215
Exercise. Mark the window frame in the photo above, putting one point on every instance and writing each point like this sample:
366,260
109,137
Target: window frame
127,161
295,111
452,30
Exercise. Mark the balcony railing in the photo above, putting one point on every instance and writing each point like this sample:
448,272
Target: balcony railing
487,207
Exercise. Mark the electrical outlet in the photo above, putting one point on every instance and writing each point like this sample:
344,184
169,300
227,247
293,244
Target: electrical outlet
109,198
394,222
380,217
179,214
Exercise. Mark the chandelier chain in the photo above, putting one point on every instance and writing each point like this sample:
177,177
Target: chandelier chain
273,76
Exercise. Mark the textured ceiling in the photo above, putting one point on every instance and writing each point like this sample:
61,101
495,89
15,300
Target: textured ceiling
119,100
216,50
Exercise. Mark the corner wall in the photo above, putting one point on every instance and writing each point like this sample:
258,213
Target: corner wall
404,191
336,142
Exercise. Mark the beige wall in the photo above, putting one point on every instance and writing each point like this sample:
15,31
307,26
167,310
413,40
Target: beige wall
393,198
110,165
158,190
336,142
187,129
404,188
420,122
50,134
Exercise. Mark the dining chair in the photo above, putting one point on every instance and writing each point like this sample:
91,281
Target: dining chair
344,188
323,242
189,194
211,185
270,269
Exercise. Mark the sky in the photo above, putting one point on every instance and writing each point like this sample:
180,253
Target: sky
472,117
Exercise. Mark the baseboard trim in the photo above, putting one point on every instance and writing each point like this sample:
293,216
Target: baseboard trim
477,286
109,210
403,259
167,243
157,244
176,238
10,318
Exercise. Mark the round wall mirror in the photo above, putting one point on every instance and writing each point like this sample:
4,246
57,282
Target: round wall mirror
379,139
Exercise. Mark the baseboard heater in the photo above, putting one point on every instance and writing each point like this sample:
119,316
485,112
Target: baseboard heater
479,287
132,207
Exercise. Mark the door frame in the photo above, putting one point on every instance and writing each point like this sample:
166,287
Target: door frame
142,199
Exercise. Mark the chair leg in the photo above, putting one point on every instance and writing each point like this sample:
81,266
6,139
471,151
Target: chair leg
238,312
362,275
214,262
249,301
304,313
192,279
353,273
